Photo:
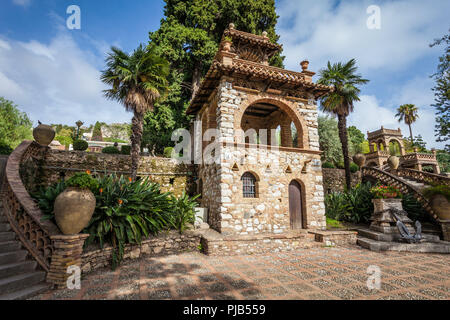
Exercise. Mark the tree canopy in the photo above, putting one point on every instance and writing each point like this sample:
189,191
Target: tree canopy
442,92
15,126
188,38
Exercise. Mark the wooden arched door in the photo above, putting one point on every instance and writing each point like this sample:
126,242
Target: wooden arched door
295,205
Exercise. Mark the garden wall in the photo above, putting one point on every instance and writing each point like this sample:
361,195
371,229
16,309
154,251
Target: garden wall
334,179
172,176
163,244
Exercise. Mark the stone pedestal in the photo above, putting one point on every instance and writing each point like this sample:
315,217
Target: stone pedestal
445,225
383,221
67,252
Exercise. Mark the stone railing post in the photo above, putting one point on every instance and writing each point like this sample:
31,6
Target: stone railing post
67,252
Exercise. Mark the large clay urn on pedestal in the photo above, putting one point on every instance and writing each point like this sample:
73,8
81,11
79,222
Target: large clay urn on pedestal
441,206
43,134
393,162
359,159
74,209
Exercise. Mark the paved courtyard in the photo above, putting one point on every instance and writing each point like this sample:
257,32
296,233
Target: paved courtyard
320,273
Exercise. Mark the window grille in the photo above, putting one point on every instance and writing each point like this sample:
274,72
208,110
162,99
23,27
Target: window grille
249,185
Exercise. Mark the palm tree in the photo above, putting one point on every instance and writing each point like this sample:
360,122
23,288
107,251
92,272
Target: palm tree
409,114
340,102
138,80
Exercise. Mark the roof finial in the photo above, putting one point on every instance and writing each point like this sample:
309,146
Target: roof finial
231,25
264,34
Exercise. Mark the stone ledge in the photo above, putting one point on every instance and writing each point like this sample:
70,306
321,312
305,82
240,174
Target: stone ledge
335,237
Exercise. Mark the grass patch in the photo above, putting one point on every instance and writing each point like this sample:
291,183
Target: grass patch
331,223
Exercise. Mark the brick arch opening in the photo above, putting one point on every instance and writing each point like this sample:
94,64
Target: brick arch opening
268,114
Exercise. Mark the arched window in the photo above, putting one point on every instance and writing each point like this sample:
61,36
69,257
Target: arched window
248,185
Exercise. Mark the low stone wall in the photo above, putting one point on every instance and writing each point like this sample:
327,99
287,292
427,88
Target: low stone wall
163,244
335,238
334,179
213,244
169,174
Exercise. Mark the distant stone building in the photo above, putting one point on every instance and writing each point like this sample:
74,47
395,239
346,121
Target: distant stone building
379,145
254,185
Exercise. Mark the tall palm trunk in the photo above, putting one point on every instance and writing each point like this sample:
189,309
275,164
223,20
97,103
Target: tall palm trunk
342,126
410,133
196,79
136,138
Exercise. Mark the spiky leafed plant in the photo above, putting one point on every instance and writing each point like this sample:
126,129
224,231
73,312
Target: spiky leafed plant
409,114
340,102
138,80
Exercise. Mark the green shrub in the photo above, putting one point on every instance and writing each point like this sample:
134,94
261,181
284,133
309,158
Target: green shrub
110,150
168,152
415,209
331,223
328,165
340,165
82,180
354,167
5,149
80,145
126,211
46,199
183,209
439,189
125,150
352,206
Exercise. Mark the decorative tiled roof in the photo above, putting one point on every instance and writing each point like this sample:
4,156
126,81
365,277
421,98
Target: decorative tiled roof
243,44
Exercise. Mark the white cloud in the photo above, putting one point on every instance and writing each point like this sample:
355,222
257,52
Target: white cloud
330,30
55,82
370,116
327,30
23,3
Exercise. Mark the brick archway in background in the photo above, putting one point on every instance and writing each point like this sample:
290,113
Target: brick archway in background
286,106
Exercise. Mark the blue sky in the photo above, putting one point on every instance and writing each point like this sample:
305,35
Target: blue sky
52,73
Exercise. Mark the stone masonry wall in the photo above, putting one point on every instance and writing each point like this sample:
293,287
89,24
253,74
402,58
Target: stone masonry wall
172,176
229,211
163,244
334,179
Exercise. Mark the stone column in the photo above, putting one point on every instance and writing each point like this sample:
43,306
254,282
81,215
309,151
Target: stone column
445,225
67,252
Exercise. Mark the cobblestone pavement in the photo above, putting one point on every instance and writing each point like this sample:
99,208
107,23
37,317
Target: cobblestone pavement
320,273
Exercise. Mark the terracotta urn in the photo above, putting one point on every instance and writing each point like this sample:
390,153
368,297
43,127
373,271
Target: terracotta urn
393,162
441,206
43,134
74,209
359,159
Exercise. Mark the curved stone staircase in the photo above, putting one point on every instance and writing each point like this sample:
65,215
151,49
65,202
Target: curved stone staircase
413,182
19,276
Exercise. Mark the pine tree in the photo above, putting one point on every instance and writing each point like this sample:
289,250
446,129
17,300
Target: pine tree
189,38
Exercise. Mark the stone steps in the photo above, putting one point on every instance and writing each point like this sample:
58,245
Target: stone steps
26,293
19,278
423,247
11,257
6,236
7,270
378,236
21,281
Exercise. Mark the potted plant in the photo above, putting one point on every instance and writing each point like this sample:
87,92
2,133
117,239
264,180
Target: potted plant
75,205
439,196
385,192
227,42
